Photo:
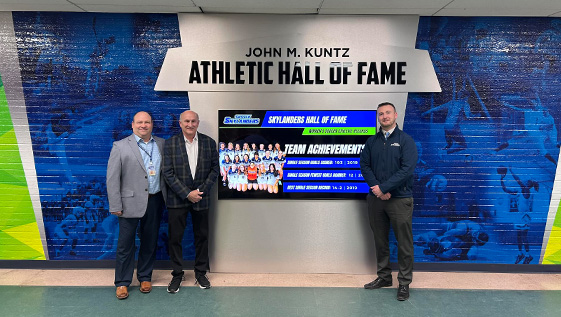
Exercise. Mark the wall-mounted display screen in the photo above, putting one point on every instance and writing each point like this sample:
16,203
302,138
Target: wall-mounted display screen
293,154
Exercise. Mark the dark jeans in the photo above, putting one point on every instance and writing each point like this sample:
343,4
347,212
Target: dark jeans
397,212
176,224
148,233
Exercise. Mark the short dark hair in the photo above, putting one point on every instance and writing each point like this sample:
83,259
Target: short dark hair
387,104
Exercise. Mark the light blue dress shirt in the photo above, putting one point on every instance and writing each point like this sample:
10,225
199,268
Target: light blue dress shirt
147,150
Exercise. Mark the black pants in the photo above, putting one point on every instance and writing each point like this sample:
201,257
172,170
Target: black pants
397,212
148,233
176,224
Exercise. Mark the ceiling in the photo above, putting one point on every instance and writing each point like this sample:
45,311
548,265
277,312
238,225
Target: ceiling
539,8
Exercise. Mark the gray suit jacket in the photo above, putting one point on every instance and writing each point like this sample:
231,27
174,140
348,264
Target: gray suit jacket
127,178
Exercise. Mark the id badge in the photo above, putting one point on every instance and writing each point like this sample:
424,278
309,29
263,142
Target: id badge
151,170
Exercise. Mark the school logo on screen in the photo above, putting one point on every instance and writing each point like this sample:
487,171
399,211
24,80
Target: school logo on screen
242,119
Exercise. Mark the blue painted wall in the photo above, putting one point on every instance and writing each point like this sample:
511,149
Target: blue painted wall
488,143
84,76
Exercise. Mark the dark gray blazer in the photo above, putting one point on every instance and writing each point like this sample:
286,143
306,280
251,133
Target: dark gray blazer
177,172
127,178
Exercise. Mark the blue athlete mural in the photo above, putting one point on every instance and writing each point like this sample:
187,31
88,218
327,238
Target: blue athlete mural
84,76
488,144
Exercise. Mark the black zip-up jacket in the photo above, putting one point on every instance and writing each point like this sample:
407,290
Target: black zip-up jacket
390,163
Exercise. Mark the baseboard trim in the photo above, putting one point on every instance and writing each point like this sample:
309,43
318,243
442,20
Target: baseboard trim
189,265
83,264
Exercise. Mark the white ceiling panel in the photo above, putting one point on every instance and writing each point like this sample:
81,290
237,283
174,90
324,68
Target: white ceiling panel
260,10
534,12
35,2
253,4
175,3
370,11
384,4
39,7
137,8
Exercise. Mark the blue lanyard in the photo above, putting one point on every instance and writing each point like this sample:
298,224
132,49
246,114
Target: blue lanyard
151,150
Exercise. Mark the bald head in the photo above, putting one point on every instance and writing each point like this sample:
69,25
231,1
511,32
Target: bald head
189,123
141,113
142,125
188,112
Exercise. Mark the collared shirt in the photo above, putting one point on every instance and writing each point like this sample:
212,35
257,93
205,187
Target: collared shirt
147,150
390,131
192,152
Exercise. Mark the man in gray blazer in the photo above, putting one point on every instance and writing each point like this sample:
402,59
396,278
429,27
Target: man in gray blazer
136,191
190,170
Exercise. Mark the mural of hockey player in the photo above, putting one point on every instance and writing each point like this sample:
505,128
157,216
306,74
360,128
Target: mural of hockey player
460,241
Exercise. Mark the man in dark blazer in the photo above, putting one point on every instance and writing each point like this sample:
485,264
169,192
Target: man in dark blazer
136,191
190,170
387,163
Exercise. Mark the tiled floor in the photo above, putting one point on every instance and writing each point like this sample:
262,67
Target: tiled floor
274,301
91,293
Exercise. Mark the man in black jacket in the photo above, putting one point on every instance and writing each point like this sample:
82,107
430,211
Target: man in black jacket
190,169
388,164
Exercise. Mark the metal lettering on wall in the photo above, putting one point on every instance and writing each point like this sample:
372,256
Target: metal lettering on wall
275,65
298,54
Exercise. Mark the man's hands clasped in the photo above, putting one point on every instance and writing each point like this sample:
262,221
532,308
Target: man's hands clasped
378,193
195,196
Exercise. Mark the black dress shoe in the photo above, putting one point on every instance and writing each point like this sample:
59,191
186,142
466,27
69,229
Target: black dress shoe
377,283
402,292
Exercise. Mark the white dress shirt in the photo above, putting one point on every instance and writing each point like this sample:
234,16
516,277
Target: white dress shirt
192,152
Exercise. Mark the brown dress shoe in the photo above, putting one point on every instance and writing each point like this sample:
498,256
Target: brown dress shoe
145,287
122,292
